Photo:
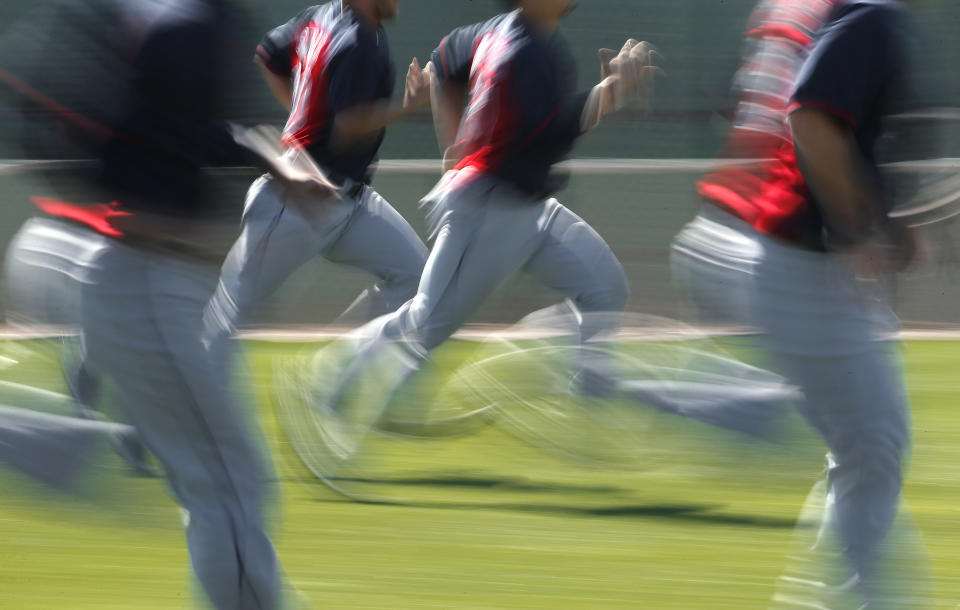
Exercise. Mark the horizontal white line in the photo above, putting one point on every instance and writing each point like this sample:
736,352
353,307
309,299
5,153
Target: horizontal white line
575,166
470,332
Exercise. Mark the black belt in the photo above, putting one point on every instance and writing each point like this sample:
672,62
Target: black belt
354,191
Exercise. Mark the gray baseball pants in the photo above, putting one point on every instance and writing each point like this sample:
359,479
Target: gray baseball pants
484,234
279,235
143,319
831,334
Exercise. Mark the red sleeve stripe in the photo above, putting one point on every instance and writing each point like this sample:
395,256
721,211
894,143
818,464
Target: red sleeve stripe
262,54
64,112
543,126
779,30
443,59
840,114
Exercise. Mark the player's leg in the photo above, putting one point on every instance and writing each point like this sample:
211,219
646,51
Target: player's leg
712,261
829,334
276,238
380,241
479,245
142,315
53,449
575,261
42,272
43,288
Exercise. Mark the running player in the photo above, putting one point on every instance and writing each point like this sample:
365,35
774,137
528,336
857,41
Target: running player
714,257
330,66
145,289
41,264
506,112
819,216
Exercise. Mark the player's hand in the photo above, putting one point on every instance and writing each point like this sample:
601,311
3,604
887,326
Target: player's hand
630,72
605,56
897,249
301,176
868,260
910,248
416,93
295,169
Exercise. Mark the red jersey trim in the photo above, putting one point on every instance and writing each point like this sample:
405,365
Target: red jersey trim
263,55
63,111
840,114
96,216
779,30
443,60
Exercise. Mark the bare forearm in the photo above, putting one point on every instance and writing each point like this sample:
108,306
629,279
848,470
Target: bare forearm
833,169
446,102
359,121
601,102
279,85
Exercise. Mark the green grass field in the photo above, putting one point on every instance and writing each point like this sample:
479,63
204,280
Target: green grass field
486,521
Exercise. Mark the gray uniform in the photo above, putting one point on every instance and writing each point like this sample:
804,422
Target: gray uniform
142,314
492,216
279,235
485,234
335,61
42,271
827,330
144,290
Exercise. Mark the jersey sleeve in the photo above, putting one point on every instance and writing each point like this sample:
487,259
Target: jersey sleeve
454,56
849,65
277,46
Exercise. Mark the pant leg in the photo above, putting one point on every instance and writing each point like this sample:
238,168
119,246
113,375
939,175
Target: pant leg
380,241
713,261
480,242
143,322
575,261
277,236
52,449
828,331
42,269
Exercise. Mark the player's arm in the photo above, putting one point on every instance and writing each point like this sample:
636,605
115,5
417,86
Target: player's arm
279,85
447,102
836,174
356,121
844,74
624,76
274,59
448,74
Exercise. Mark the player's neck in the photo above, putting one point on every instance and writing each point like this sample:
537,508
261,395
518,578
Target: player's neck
544,23
365,11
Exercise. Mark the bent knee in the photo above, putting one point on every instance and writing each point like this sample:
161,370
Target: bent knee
609,292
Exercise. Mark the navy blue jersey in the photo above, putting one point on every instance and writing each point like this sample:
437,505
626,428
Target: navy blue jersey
857,68
856,71
166,131
137,83
522,114
335,61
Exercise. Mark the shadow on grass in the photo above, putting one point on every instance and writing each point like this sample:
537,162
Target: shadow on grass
693,513
462,481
